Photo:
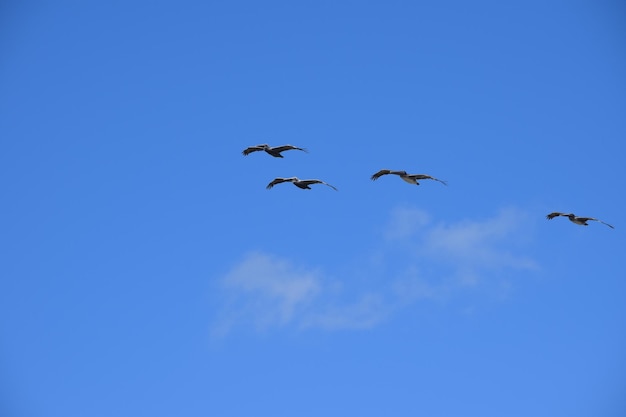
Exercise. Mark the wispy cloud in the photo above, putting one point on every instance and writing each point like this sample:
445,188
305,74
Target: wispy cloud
419,259
444,258
275,281
481,244
404,222
268,291
364,313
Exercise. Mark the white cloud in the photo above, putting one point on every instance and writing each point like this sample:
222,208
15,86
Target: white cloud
405,221
457,256
418,260
367,312
284,286
267,291
480,243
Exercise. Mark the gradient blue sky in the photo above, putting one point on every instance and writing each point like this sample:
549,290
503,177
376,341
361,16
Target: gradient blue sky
146,270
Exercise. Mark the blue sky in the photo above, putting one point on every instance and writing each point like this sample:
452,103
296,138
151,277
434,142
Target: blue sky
146,270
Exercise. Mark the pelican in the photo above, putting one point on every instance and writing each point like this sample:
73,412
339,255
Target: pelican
304,184
582,221
410,178
272,150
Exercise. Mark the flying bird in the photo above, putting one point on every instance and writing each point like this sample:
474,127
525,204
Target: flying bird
272,150
582,221
304,184
410,178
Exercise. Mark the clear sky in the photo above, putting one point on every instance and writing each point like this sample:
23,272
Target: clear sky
146,270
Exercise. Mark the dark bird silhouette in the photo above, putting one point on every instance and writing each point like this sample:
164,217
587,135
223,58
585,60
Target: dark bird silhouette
272,150
410,178
304,184
582,221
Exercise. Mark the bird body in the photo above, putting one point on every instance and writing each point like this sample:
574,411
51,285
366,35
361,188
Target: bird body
275,151
410,178
303,184
582,221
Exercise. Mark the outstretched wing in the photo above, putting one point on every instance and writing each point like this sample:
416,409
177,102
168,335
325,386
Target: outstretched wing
280,149
555,214
385,172
309,182
380,174
595,220
427,177
277,181
251,149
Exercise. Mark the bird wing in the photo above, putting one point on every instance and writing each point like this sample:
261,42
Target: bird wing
309,182
380,174
595,220
555,214
277,181
427,177
280,149
251,149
